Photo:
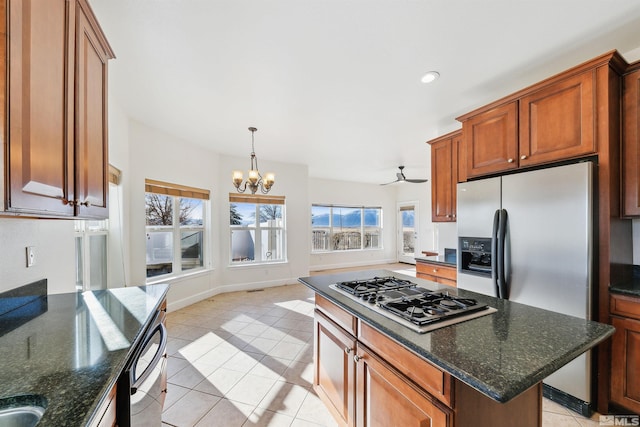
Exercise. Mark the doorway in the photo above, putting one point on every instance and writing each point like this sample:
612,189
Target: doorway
407,232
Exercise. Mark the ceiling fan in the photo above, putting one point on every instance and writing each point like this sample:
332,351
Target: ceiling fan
402,178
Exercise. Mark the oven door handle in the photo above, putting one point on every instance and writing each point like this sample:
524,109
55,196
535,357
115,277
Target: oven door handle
160,353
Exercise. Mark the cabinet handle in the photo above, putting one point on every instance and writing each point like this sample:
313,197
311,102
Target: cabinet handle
524,156
435,270
69,202
85,203
347,350
509,160
356,358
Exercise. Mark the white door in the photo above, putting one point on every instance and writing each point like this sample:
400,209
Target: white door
407,232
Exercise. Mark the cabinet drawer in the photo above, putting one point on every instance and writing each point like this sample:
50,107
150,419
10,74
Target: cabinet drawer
430,378
437,270
343,319
625,306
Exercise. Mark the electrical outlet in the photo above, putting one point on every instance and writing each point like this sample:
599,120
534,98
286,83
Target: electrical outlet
31,256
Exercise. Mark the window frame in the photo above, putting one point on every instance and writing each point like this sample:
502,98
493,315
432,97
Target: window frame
331,227
258,229
177,192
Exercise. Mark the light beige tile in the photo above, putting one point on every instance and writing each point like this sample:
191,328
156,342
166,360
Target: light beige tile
219,381
255,329
188,377
275,333
285,398
286,350
261,345
187,411
313,410
271,367
551,419
300,373
227,413
251,389
233,326
267,319
175,365
585,422
243,361
174,393
174,345
265,418
551,406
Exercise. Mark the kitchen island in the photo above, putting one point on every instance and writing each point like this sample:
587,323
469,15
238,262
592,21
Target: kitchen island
485,371
65,352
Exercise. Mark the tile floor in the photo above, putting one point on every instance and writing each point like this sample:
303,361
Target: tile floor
245,359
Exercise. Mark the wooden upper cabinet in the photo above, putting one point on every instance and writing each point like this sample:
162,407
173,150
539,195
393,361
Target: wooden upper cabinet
631,145
491,140
444,176
92,54
557,121
57,130
40,91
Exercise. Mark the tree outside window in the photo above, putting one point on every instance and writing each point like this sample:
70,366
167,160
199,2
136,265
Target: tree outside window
175,233
257,230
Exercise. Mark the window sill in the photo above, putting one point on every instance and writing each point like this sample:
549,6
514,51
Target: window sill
257,264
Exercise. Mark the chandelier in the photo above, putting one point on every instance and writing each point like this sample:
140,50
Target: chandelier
255,180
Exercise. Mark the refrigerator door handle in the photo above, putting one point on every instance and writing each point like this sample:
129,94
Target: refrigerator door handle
502,232
494,252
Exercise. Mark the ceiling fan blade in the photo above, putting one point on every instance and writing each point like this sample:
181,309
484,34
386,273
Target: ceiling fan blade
416,181
392,182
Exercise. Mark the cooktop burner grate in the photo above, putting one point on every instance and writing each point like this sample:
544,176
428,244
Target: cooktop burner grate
413,306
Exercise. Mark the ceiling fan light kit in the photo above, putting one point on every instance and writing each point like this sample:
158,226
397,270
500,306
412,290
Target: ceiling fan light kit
401,178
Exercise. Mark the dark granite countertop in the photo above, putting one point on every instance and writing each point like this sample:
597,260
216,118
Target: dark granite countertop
501,354
627,281
437,259
70,348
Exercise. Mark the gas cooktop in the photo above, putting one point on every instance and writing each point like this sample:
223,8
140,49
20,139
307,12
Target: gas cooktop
405,302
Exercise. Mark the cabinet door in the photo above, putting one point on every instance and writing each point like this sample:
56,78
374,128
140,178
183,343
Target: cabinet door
444,177
631,145
491,140
92,185
625,363
385,398
334,370
40,134
557,122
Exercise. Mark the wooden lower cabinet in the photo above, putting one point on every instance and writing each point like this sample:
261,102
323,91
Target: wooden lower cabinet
385,398
625,353
436,272
366,379
334,370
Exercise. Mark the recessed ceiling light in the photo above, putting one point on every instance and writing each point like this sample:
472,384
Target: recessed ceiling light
430,76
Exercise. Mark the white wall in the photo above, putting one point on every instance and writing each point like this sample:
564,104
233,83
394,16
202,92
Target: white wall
162,157
55,253
323,191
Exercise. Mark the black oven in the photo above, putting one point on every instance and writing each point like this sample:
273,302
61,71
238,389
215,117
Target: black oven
476,255
142,386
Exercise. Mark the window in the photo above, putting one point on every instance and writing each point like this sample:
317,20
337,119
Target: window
91,254
175,228
257,225
344,228
91,241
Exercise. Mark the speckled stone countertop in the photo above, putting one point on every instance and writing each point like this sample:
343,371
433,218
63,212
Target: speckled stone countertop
69,349
437,259
628,282
500,354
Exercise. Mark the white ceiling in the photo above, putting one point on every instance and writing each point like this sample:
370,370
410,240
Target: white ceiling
335,84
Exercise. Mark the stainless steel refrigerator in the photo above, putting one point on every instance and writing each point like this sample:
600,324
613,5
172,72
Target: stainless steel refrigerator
527,237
